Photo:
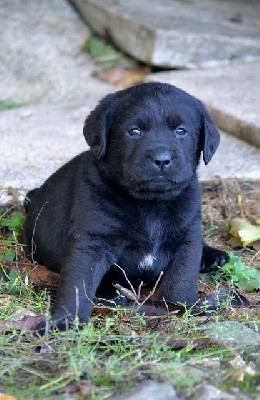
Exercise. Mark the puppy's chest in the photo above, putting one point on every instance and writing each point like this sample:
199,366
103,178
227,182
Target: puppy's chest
154,234
148,249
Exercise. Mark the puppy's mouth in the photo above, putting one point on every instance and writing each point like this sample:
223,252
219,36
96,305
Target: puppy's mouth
152,189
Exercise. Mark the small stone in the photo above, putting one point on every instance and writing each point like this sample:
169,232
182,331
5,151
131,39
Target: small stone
149,390
209,392
237,362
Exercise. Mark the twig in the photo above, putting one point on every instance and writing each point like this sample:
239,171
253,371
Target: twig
126,292
85,292
254,256
34,229
152,291
139,290
128,281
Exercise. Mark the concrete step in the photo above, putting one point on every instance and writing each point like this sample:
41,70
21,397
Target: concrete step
231,93
182,34
41,53
36,140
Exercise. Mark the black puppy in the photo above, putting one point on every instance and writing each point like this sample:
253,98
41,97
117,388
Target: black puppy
132,200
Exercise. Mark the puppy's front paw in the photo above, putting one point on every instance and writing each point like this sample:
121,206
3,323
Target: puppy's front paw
45,327
212,259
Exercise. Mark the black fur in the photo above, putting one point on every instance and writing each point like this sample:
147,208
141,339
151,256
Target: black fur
132,200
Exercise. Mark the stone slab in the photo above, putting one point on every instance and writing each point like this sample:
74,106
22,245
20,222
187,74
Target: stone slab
36,140
180,34
41,53
231,93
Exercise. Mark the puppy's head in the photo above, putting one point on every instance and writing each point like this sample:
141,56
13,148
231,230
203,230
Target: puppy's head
150,137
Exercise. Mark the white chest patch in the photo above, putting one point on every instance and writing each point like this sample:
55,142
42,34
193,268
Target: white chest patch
147,261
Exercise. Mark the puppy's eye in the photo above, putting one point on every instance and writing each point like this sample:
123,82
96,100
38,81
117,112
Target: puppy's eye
134,132
180,132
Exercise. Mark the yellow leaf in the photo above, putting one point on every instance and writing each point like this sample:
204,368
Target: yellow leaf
244,231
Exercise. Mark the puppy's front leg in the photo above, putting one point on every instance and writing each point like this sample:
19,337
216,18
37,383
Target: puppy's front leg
84,267
180,282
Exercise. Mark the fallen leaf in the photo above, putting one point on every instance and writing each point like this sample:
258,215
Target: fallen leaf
244,231
122,75
39,275
256,245
6,397
27,323
84,389
102,311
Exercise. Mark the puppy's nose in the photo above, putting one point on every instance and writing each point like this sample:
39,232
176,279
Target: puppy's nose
161,158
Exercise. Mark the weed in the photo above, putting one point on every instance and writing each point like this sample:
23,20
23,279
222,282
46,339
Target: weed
8,105
106,55
239,274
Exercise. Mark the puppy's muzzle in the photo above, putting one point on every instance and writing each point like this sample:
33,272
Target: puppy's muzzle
161,158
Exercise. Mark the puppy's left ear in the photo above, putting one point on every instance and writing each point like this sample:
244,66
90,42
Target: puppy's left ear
210,136
97,125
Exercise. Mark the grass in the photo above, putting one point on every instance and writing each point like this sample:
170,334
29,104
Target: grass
105,355
118,350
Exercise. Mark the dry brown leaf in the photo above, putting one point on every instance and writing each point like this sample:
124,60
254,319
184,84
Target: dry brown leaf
122,75
40,276
27,323
102,311
6,397
256,245
84,389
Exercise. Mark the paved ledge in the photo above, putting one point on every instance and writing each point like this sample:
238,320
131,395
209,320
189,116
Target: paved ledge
231,93
172,33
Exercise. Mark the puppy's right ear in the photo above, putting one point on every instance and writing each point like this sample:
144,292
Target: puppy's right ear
97,125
